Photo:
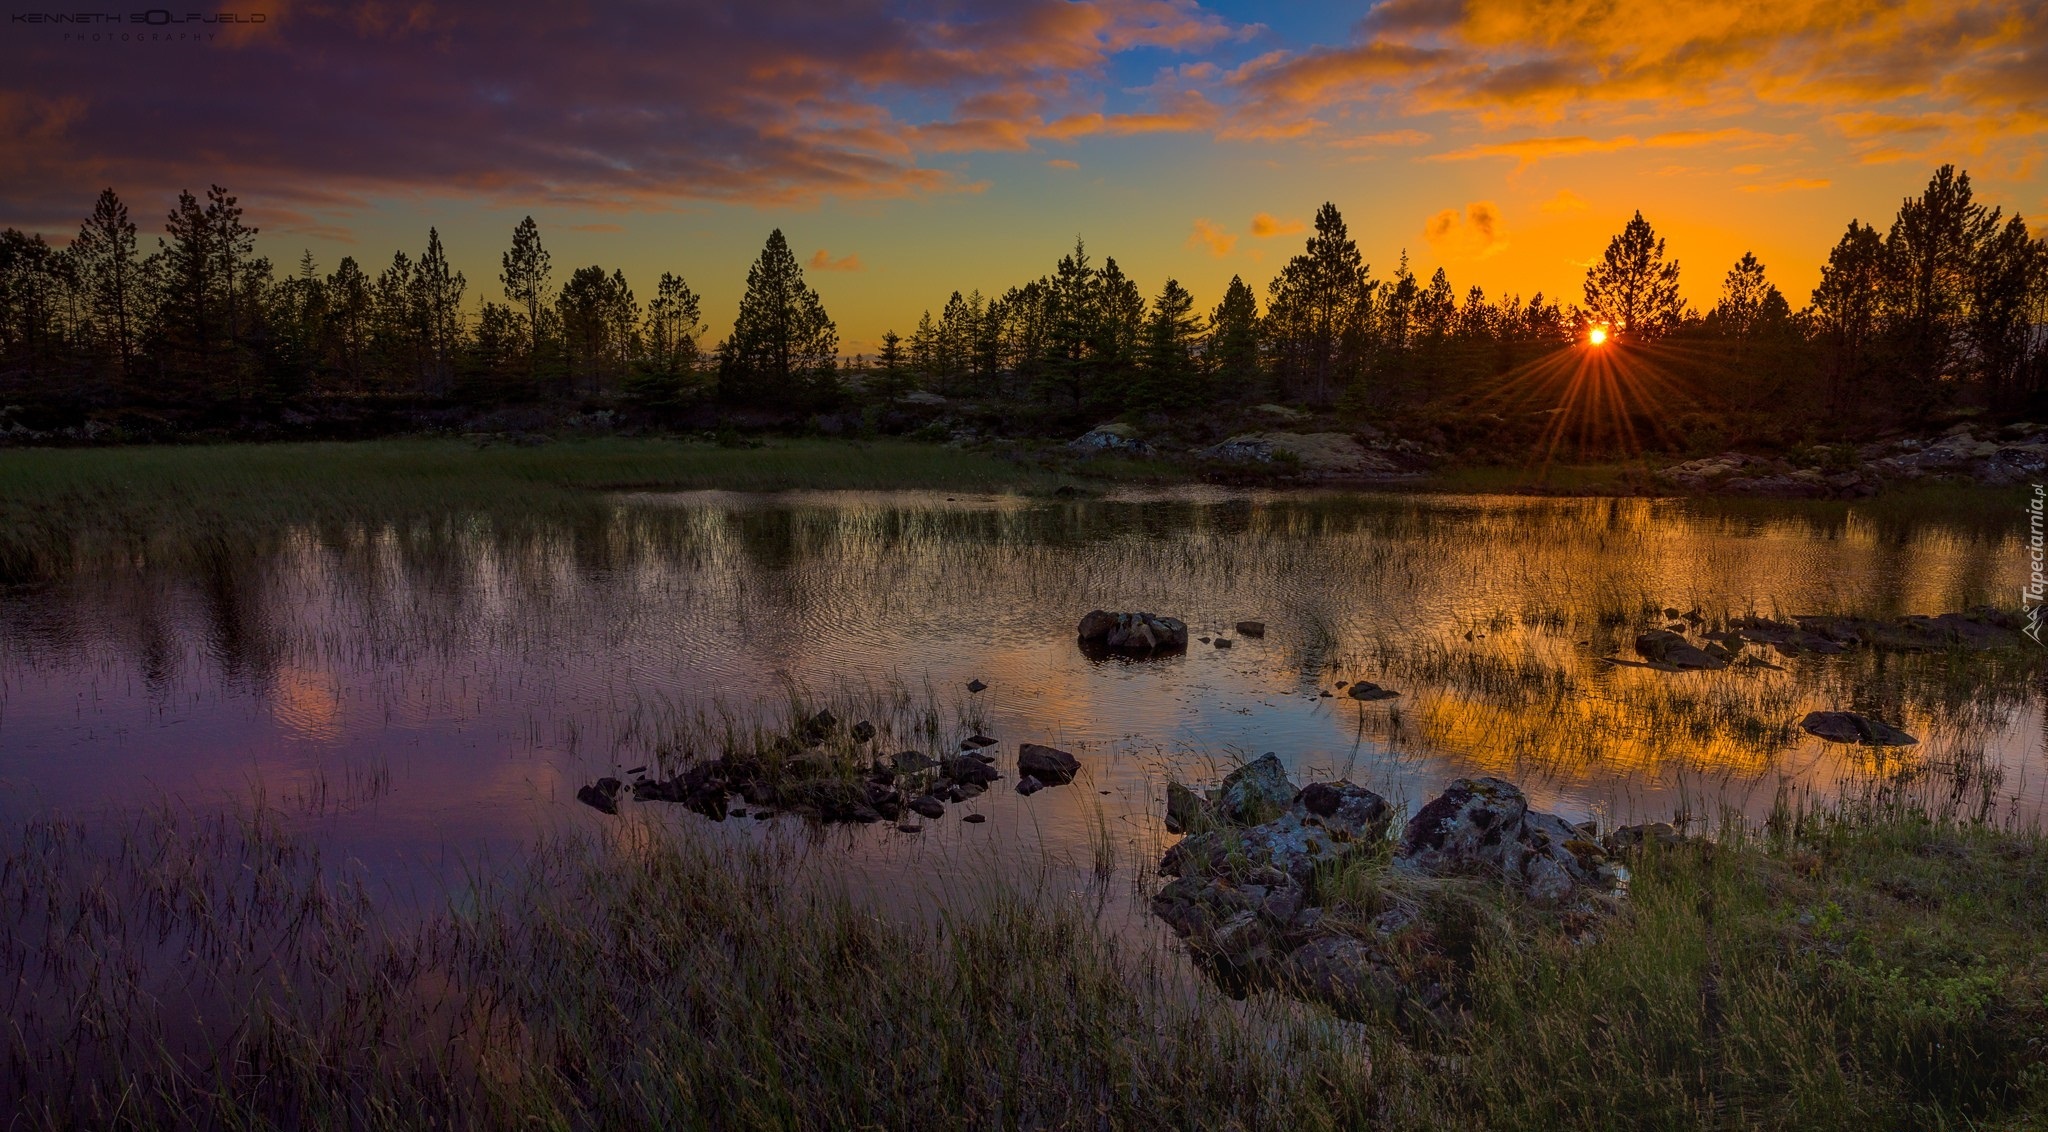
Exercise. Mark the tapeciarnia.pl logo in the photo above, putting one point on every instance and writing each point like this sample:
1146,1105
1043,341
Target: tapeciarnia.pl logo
2036,592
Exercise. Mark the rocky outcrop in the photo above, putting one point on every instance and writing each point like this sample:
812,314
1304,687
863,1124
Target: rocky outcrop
1967,452
1484,827
1120,439
1854,727
1133,633
1244,893
1315,453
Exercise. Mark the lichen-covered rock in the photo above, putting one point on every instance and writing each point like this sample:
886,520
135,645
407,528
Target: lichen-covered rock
1254,791
1345,974
1483,826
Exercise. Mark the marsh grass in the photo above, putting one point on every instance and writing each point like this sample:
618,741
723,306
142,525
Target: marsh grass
58,504
1869,961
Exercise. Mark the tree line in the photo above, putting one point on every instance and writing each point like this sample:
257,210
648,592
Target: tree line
1947,307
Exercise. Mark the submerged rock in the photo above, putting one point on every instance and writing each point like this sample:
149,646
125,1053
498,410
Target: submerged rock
1854,727
1370,692
1662,646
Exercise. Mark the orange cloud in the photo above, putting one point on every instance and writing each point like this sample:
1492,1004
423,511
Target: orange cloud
1478,234
1565,201
1793,184
1528,151
1264,226
822,260
1213,236
1062,163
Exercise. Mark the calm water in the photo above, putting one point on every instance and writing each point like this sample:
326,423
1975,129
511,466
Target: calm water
415,697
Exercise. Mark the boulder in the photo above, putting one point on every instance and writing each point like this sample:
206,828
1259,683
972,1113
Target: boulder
1484,826
1347,975
1049,765
1320,453
1370,692
968,770
1186,810
1254,791
1138,633
928,806
863,731
1251,628
1854,727
1028,785
1661,646
1119,439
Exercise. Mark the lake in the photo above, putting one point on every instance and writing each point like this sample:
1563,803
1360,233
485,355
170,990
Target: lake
419,696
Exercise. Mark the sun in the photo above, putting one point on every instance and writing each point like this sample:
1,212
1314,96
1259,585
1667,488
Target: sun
1596,336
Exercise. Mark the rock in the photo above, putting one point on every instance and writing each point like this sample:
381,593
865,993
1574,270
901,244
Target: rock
1027,785
863,731
1632,837
1140,633
1344,974
1349,810
602,796
1254,791
976,686
928,806
1251,628
1317,453
966,769
1661,646
910,762
1110,438
1369,692
909,827
1096,625
976,741
975,819
1853,727
1223,642
1484,826
1049,765
1185,809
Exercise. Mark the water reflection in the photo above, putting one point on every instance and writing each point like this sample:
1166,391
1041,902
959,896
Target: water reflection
424,688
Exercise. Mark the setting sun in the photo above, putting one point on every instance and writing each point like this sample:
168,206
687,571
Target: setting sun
1596,336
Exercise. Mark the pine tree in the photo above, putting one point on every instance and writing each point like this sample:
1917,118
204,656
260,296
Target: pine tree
350,311
784,347
437,297
1169,375
1319,309
1745,294
1632,289
675,318
1848,309
105,251
525,275
1233,350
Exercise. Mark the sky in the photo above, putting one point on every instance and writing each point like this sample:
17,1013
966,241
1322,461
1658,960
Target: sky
907,150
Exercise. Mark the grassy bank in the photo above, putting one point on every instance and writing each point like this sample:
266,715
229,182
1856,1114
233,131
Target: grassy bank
1863,967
